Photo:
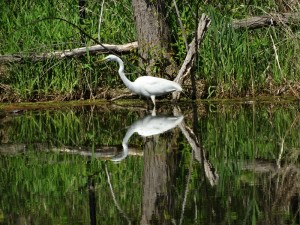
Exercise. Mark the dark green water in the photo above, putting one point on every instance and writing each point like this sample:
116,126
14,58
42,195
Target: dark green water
218,164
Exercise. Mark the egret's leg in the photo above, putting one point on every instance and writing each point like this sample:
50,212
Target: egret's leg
153,111
153,99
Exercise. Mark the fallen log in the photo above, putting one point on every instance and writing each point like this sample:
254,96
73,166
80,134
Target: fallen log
105,48
275,19
250,23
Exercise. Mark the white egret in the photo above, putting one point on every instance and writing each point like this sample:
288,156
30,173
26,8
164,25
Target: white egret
147,86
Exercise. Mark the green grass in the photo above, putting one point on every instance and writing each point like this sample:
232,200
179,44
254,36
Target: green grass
232,63
25,30
243,62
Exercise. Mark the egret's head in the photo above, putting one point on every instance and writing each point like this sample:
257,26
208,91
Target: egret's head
110,58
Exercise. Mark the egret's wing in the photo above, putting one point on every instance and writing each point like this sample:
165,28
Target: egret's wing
155,85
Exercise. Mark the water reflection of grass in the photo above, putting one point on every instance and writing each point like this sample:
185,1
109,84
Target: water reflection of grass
38,180
52,186
236,138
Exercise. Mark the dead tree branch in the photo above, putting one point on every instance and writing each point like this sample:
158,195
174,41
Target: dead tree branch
250,23
267,20
125,48
190,56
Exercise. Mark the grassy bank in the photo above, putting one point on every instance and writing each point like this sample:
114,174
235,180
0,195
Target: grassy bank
232,63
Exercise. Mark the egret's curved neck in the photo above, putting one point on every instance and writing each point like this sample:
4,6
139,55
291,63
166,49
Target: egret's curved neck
123,155
125,140
126,81
125,146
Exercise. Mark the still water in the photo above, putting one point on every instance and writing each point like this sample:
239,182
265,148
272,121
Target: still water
208,163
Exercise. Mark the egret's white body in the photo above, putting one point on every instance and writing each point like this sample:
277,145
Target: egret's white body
147,86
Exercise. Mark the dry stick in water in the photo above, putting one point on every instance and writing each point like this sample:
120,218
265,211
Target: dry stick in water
278,161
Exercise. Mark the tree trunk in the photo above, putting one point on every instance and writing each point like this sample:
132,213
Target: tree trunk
153,36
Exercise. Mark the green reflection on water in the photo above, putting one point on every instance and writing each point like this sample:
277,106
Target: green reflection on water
253,150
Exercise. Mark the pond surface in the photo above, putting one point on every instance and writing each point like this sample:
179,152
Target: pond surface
205,163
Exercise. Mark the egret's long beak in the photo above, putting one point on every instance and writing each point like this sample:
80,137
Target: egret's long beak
101,60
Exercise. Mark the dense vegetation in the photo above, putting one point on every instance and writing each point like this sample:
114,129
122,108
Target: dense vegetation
50,187
232,63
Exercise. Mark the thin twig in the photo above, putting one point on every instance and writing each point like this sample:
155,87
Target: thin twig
100,20
276,55
181,26
121,96
280,153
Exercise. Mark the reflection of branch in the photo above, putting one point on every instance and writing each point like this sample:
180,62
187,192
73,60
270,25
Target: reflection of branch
104,152
114,197
283,139
199,152
136,108
186,189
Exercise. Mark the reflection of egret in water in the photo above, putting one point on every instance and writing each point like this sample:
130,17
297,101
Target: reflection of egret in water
148,126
